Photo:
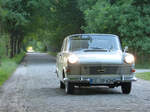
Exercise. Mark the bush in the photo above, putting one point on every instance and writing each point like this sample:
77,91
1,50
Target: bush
18,58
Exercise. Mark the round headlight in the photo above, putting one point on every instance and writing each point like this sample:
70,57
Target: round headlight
72,59
129,59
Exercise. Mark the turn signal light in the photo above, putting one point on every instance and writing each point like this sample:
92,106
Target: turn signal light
133,70
68,70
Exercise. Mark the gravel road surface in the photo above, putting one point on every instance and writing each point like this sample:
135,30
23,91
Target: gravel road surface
34,87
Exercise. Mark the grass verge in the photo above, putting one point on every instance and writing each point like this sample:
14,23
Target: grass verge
8,66
53,53
145,75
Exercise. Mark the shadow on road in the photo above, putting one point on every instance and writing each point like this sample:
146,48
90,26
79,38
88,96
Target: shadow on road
39,59
53,92
95,90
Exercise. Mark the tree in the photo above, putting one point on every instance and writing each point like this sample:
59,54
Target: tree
127,19
64,19
18,19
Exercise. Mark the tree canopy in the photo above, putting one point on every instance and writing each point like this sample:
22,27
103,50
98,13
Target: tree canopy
49,21
127,19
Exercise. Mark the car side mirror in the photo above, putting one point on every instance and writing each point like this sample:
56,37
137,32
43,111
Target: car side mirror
125,49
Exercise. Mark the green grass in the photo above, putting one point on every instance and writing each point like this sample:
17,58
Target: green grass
8,66
145,76
53,53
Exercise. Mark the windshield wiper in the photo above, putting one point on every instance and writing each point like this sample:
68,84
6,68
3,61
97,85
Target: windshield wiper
86,50
96,48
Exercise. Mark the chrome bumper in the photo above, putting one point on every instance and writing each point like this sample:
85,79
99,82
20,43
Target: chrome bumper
103,79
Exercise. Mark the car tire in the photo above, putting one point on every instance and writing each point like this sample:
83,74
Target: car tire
62,85
111,86
69,88
126,87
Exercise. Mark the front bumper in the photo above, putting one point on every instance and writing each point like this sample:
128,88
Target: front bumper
99,80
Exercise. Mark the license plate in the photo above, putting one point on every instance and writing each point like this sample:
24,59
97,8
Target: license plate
91,81
100,81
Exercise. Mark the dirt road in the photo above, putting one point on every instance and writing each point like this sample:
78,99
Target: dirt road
34,87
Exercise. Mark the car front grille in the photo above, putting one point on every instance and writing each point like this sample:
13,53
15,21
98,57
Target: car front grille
94,70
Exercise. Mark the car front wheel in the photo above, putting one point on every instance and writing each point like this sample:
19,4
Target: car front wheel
126,87
62,85
69,88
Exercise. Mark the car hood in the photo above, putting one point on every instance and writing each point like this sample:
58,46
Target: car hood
113,57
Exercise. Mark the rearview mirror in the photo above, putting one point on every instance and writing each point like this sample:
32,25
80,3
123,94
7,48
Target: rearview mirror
125,49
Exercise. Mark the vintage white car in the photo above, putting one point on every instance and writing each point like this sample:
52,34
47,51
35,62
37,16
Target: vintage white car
94,60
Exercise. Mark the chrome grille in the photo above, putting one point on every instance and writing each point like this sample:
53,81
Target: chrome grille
94,70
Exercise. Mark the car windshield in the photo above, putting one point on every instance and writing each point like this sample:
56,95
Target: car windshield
94,43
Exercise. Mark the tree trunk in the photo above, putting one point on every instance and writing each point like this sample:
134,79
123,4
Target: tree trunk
18,47
14,46
7,49
142,58
11,47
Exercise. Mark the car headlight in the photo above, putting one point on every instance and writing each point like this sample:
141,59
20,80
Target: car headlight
72,59
129,59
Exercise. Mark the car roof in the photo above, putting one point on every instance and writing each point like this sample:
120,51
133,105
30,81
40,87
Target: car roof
92,34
